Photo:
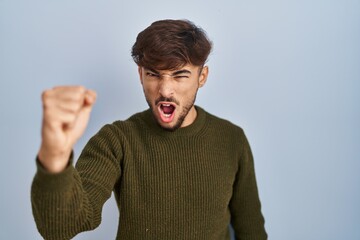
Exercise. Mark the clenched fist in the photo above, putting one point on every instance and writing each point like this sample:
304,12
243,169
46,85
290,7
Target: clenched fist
66,112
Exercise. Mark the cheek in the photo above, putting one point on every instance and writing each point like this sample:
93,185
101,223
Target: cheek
149,89
190,90
187,94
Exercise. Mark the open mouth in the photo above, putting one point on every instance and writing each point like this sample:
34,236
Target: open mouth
167,111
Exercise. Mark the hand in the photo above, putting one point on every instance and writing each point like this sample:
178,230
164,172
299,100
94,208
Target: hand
66,113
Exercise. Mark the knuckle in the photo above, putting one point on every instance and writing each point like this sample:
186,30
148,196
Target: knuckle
80,88
78,97
45,94
79,93
45,97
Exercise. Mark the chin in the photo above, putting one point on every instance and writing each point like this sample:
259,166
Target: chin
169,128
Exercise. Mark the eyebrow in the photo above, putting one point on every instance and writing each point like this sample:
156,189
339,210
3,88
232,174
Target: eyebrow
152,70
183,71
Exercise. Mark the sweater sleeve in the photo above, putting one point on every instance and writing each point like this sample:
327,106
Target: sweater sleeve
71,202
246,217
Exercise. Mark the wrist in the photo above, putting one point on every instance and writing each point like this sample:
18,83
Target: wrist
54,163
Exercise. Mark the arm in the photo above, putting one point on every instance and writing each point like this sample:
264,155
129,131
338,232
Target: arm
71,201
246,217
66,200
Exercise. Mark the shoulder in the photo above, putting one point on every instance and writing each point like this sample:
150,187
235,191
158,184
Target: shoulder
223,125
225,131
134,123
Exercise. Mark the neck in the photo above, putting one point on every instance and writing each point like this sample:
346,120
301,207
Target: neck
190,117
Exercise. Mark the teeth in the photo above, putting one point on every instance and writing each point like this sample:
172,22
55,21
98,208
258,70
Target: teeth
164,105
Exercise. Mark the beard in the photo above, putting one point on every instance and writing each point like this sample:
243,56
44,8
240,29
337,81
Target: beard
184,112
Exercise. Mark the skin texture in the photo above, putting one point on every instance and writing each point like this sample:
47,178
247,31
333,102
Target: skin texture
177,88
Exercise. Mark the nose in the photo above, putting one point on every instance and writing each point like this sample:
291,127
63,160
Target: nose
166,88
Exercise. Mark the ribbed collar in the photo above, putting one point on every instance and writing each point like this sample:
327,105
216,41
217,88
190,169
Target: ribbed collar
190,130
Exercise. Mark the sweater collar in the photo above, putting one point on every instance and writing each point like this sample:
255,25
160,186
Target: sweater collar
192,129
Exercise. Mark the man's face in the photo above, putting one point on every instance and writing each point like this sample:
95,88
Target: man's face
171,94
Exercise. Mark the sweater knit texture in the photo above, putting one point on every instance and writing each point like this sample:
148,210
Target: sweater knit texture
187,184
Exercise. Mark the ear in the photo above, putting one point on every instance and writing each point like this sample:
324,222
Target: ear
203,76
140,71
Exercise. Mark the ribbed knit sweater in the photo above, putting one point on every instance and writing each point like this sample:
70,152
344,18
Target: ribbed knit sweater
187,184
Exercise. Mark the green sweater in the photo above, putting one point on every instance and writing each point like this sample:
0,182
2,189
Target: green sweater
187,184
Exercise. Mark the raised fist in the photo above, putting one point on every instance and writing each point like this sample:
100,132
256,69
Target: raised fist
66,112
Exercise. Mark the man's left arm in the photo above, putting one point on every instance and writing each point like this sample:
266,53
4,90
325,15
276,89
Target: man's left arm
245,207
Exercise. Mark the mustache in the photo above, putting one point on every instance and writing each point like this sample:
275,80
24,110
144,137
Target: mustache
166,99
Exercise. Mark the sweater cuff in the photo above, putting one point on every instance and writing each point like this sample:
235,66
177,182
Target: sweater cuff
54,182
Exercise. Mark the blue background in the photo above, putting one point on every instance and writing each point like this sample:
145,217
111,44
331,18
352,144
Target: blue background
288,72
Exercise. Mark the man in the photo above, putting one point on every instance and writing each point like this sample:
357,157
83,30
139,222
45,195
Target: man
177,172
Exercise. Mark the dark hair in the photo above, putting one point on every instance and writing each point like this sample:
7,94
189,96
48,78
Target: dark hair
170,44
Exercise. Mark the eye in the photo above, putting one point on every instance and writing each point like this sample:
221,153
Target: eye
153,75
181,77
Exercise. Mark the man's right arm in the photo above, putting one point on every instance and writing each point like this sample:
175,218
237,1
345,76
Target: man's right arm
68,200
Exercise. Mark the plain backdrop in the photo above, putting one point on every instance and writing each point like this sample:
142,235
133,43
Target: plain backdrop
287,72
